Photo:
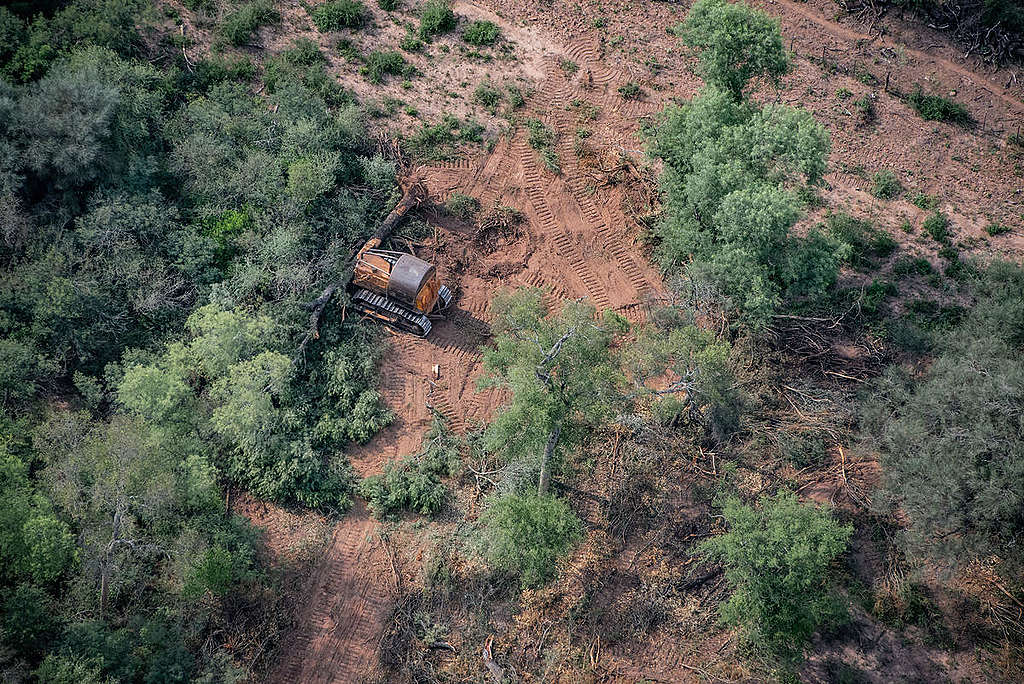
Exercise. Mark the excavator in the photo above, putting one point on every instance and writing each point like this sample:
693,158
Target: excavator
395,288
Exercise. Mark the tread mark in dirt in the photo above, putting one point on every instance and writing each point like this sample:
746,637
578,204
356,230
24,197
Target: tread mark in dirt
337,636
563,242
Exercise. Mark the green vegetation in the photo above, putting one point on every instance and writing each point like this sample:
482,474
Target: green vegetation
527,534
436,17
631,91
487,96
381,63
937,226
736,43
885,185
566,378
414,483
938,108
542,139
777,559
463,206
481,33
923,201
866,243
163,238
996,228
953,453
388,5
240,26
335,15
439,141
728,167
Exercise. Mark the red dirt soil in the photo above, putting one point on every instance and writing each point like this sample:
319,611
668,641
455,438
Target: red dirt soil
578,242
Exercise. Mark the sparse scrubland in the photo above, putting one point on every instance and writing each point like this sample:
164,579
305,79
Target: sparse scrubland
812,439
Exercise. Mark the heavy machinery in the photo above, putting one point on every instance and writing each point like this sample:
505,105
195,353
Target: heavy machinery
395,288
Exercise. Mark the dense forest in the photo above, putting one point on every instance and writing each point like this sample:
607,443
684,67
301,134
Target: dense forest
167,223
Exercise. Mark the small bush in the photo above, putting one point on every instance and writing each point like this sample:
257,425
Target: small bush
867,242
487,96
923,201
335,15
568,66
875,295
414,483
515,96
410,43
996,228
885,185
462,206
437,142
240,26
865,107
388,5
540,136
937,226
938,108
907,266
436,18
381,63
527,534
481,33
630,91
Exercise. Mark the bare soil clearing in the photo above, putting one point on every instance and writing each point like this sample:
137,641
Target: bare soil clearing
579,240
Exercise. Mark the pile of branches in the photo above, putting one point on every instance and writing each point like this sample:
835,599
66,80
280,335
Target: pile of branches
992,29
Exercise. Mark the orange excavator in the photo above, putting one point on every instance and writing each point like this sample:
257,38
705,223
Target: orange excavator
398,289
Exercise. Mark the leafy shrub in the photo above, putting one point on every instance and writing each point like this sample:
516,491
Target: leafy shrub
461,205
777,559
481,33
725,206
865,107
436,18
388,5
568,66
938,108
885,185
923,201
951,446
487,96
381,63
410,43
907,266
542,139
414,483
996,228
875,295
630,91
527,534
866,242
438,141
335,15
240,26
937,226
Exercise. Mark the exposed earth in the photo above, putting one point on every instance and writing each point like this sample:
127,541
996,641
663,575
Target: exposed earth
582,237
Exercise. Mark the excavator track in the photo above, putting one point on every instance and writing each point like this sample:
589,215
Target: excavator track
391,313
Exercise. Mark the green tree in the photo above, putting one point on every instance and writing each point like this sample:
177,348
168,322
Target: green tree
737,43
731,171
951,442
527,534
560,373
777,559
